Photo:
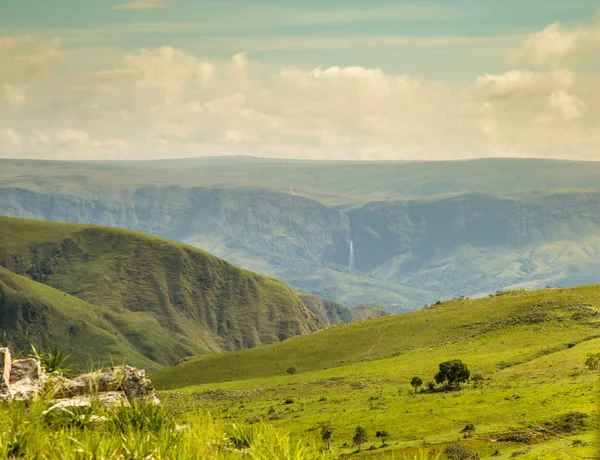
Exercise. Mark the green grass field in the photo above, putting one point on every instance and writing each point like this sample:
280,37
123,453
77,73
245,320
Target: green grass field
530,347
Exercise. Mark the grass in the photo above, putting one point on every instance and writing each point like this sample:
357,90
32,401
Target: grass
530,347
154,300
139,432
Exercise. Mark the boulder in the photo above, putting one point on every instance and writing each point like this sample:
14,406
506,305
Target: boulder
99,381
5,366
61,387
79,404
29,368
26,379
136,385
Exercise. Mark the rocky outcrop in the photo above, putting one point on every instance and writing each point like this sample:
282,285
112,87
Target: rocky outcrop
5,366
25,380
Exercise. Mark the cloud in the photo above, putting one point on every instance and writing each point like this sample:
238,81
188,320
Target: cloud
557,44
25,58
13,96
141,5
166,103
570,105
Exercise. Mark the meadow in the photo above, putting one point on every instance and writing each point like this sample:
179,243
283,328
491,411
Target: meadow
534,396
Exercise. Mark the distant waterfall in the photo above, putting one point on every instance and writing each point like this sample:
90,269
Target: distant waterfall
351,261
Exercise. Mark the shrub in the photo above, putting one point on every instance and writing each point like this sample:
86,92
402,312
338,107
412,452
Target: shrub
291,370
53,361
593,361
457,451
383,435
326,432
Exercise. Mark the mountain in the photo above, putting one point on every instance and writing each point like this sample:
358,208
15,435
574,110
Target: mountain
421,231
97,291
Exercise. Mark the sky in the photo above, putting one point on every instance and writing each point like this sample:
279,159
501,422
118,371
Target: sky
314,79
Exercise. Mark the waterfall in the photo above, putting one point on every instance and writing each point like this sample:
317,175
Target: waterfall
351,261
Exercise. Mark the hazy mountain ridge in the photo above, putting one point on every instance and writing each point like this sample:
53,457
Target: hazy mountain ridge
408,252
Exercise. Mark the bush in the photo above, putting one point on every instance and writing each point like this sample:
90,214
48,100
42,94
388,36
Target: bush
383,435
593,361
457,451
291,370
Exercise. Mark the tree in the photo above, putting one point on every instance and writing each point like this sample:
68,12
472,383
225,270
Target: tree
593,361
416,382
360,436
383,435
452,373
326,432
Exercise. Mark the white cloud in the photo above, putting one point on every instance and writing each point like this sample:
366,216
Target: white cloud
141,5
570,105
556,44
165,102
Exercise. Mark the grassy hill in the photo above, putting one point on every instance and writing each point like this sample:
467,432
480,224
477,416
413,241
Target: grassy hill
161,299
529,347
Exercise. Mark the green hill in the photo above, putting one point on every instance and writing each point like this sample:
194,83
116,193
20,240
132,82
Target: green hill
536,399
158,300
436,326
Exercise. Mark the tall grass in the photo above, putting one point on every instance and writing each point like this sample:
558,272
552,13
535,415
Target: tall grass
141,431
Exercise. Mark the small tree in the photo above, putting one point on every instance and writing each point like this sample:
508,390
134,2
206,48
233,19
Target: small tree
416,382
593,361
360,436
383,435
326,432
452,373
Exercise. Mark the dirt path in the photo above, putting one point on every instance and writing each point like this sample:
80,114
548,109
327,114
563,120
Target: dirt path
376,344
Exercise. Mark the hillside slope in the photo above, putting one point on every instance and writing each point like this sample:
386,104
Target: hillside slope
146,284
33,313
575,309
534,397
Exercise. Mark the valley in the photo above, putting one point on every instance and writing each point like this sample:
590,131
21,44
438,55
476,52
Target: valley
421,231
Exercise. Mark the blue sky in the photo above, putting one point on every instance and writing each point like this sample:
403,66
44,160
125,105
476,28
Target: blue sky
396,36
427,79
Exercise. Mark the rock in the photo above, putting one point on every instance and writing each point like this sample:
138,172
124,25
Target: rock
62,387
26,379
26,389
109,399
137,385
25,368
5,366
99,381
